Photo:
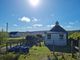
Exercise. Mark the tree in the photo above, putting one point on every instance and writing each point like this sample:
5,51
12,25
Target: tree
74,35
31,39
40,37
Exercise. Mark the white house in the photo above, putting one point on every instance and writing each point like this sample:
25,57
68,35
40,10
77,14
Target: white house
56,36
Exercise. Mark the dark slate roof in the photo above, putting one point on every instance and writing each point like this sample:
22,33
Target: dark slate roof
58,28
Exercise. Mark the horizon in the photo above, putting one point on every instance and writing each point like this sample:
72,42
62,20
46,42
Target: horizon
40,15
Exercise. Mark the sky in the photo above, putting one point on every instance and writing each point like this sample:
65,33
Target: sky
23,15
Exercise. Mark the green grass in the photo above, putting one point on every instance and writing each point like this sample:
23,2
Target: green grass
36,53
39,53
67,56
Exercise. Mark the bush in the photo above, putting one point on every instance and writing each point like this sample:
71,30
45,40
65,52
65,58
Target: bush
31,39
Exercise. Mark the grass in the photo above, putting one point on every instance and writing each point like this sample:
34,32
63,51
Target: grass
64,56
36,53
39,53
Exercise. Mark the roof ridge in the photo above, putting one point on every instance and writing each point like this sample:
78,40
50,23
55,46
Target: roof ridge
58,28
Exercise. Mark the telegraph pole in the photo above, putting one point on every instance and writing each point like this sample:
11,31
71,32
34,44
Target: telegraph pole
6,27
7,36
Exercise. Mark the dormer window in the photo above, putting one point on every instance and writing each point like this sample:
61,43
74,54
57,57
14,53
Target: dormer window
61,36
48,36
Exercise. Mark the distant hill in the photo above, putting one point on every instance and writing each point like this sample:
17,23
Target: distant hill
23,34
72,33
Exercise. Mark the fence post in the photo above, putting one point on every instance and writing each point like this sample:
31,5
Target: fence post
79,49
6,47
0,49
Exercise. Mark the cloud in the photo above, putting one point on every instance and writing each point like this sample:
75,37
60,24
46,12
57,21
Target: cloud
37,25
50,26
25,19
34,19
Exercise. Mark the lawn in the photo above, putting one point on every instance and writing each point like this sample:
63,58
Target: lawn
36,53
41,53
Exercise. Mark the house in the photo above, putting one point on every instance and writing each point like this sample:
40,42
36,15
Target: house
16,34
13,34
56,36
24,34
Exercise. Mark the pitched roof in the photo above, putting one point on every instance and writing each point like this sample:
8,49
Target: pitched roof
58,28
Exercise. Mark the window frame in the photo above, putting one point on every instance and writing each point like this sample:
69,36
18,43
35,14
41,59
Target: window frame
61,36
48,36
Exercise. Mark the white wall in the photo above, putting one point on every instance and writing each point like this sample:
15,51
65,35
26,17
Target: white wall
55,39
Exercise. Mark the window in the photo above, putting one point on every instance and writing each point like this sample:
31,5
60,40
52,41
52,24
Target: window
61,36
48,36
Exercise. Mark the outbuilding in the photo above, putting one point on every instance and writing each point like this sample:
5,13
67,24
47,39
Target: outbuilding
56,36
